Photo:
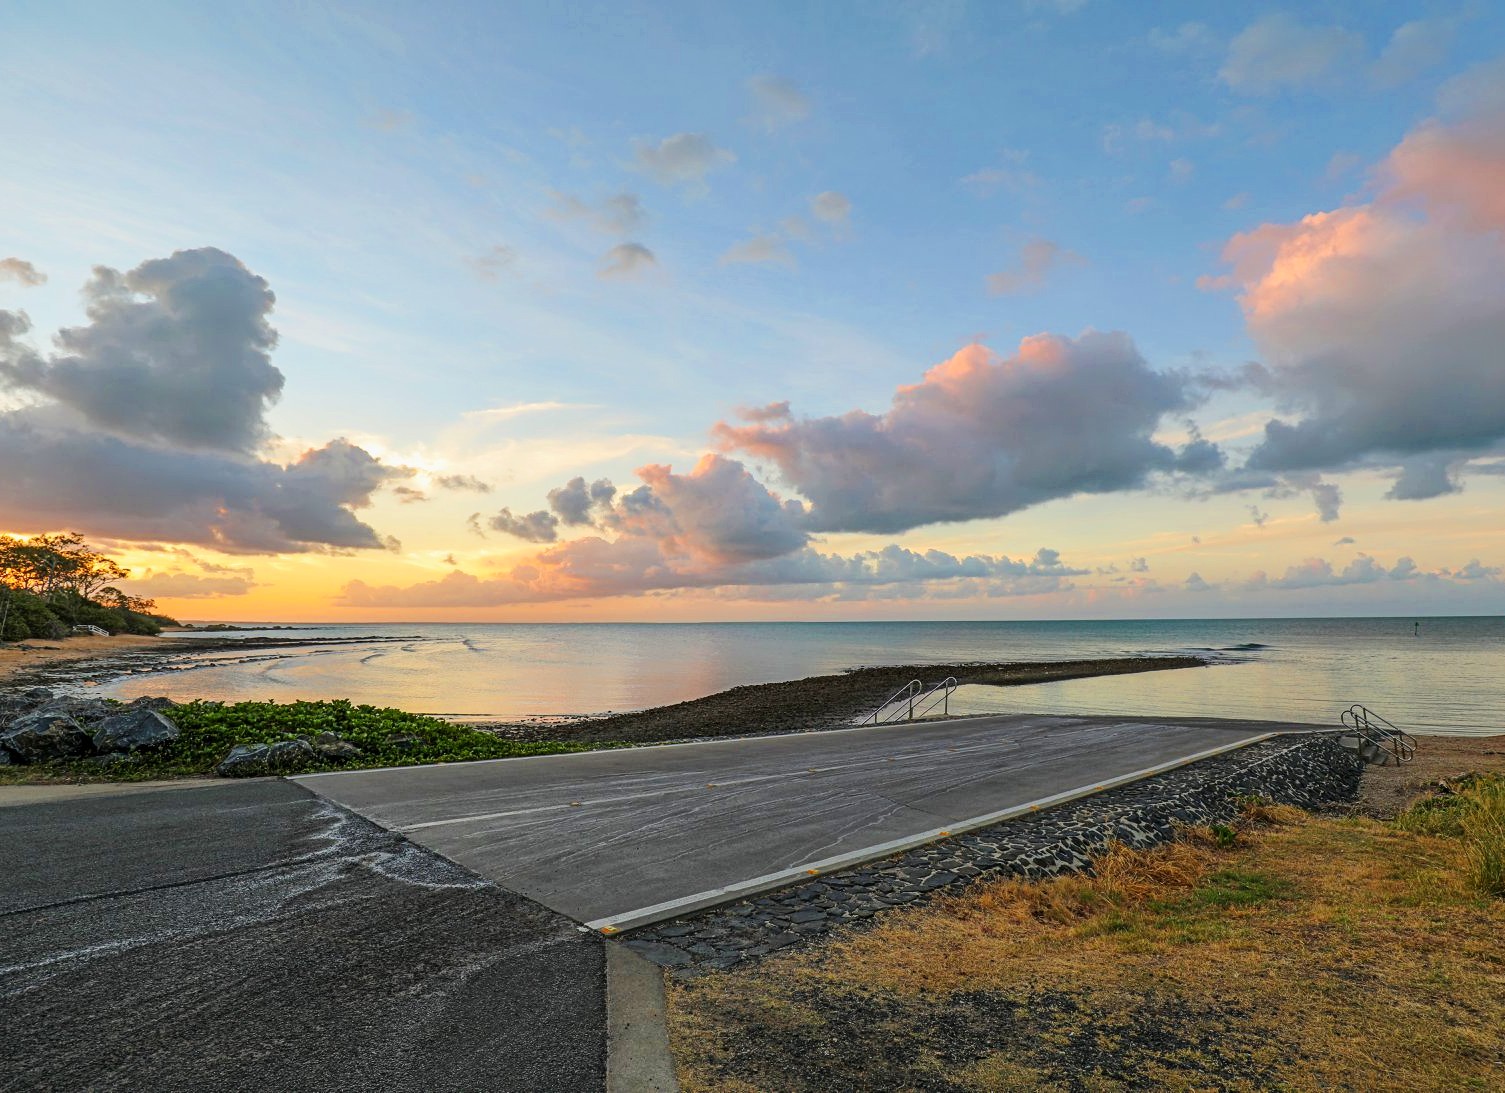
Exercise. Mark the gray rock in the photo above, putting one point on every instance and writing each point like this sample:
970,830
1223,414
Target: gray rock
331,746
135,727
254,760
45,734
404,741
244,761
5,759
37,695
662,954
154,702
82,710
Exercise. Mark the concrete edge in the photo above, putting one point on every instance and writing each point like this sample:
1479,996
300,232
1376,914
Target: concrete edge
637,1035
659,912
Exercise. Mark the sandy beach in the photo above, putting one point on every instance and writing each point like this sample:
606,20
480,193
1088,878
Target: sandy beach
21,661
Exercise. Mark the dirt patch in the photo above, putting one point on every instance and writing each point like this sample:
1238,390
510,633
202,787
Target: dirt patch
818,702
1386,791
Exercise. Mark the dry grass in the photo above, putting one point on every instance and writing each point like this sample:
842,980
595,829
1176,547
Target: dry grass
1311,954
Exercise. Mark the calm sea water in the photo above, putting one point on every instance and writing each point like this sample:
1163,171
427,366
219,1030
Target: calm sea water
1434,675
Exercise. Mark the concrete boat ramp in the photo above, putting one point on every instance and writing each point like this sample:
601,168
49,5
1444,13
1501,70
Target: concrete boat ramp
623,838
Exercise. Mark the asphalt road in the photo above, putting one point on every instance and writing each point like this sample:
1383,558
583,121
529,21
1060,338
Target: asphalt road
608,837
253,936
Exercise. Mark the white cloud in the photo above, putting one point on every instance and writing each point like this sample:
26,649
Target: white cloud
832,207
625,261
777,102
1278,53
769,249
684,159
1414,48
1037,259
21,272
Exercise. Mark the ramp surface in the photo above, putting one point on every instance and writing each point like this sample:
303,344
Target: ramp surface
636,835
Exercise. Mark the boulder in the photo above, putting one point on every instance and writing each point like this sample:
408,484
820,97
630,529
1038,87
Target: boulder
159,703
331,746
45,734
402,741
37,695
132,728
82,710
252,760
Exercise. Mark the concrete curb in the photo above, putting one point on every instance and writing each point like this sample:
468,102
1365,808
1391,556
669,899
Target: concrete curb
637,1038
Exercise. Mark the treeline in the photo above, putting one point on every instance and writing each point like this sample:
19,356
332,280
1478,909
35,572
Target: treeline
51,583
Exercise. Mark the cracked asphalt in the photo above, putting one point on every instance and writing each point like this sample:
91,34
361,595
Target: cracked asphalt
251,935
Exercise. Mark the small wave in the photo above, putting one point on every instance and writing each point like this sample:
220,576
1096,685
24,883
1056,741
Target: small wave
369,657
1244,646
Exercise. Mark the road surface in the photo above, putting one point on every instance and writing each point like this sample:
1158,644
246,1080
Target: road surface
619,838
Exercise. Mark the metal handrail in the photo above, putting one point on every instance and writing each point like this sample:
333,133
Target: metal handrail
941,693
1375,730
905,694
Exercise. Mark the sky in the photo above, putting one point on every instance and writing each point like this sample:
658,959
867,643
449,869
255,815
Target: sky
1034,309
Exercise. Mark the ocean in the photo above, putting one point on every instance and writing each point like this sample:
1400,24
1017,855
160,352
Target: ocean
1431,675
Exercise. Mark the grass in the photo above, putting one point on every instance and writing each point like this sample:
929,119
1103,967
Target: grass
1470,809
1302,953
209,730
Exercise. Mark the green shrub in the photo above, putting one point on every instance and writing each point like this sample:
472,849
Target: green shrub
1472,810
31,616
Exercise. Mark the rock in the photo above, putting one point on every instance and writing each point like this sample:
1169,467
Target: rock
136,727
37,695
331,746
5,759
82,710
660,953
402,741
112,760
46,734
154,702
254,760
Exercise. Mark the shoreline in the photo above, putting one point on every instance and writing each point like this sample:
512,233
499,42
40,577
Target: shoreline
811,704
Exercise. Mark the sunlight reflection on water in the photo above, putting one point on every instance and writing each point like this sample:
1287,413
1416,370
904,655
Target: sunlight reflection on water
1450,677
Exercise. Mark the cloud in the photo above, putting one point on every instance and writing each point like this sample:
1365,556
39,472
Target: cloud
594,567
1181,171
1237,201
1181,126
616,214
104,485
767,249
461,482
1188,38
1037,258
625,261
577,504
1195,583
491,263
187,586
1258,516
148,417
1381,323
980,436
21,272
1277,53
1347,540
177,351
1320,573
777,102
407,495
392,121
832,207
536,527
1414,48
1014,178
684,159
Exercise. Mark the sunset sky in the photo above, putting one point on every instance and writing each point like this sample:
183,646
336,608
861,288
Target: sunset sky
370,311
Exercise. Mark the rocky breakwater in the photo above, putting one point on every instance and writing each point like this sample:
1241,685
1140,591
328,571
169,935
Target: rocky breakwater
1307,770
37,726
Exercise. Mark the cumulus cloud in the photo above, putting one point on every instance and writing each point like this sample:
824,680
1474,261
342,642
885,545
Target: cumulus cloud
535,527
777,102
1195,583
626,260
1037,259
577,504
980,436
1381,323
1320,573
1278,53
684,159
177,350
21,272
147,418
616,214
